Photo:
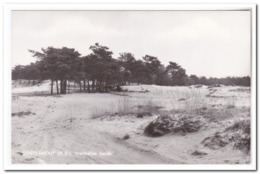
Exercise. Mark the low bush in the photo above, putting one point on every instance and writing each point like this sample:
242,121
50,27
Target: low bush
238,135
231,106
142,114
198,86
22,113
198,153
173,124
126,137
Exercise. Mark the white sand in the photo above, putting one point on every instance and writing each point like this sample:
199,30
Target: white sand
63,124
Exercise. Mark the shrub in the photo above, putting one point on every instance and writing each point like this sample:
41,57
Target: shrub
174,124
231,106
198,86
142,114
198,153
126,137
242,125
21,114
237,135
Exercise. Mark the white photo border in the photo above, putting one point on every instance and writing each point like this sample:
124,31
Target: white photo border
8,8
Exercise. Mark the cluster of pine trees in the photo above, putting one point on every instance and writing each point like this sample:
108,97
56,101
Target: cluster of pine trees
100,72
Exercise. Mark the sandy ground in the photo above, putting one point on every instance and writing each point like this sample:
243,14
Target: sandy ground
82,128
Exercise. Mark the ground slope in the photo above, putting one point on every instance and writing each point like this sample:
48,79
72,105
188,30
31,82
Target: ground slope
61,128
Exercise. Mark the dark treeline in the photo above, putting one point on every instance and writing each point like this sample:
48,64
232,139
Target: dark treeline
100,72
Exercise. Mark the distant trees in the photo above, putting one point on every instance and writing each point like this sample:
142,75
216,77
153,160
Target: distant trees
58,65
100,72
127,61
178,74
152,65
163,78
18,72
193,80
104,70
28,72
231,81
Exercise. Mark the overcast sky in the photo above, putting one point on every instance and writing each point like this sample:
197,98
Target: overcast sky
205,43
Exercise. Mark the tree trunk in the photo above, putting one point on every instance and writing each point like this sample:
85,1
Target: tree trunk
57,86
61,81
84,85
79,86
93,85
97,86
65,86
106,87
51,87
100,86
68,87
88,87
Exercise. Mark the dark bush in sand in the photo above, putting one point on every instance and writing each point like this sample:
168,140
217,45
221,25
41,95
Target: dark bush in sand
143,114
198,86
173,124
21,114
126,137
214,86
237,135
198,153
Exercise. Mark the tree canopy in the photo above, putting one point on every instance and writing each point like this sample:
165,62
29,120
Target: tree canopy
100,72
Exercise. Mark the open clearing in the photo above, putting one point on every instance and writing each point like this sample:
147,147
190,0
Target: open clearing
108,128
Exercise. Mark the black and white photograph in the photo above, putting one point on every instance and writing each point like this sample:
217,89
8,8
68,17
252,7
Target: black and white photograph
137,87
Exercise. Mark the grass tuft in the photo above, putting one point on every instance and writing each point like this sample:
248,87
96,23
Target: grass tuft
125,106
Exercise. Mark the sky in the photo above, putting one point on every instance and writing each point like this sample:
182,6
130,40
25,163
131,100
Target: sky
205,43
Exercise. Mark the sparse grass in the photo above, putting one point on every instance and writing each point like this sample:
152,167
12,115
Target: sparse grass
231,103
213,114
149,107
187,98
245,89
124,106
98,112
127,106
191,101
